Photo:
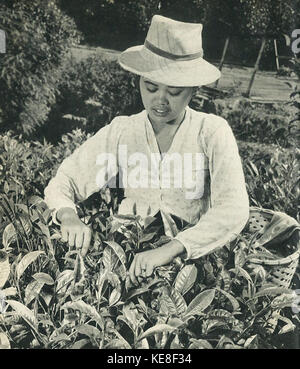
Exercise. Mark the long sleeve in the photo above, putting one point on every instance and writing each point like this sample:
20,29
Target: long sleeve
87,170
229,206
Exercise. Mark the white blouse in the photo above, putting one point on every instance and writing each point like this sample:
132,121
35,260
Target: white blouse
200,179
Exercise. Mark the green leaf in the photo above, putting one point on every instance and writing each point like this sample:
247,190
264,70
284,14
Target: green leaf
9,235
80,344
199,344
4,341
200,303
89,331
158,328
289,327
63,281
43,278
26,261
79,269
185,279
117,344
23,312
118,250
84,308
271,291
251,342
234,302
32,291
10,291
114,297
4,268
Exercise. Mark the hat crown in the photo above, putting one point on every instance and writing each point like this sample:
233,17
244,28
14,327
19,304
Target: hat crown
174,37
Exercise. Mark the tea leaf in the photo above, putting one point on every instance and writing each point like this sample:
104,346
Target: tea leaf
32,291
80,344
118,251
234,302
43,278
84,308
114,297
26,261
4,341
179,301
199,344
158,328
63,280
9,235
185,279
200,302
23,312
272,291
89,331
10,291
4,268
117,344
289,327
79,269
251,342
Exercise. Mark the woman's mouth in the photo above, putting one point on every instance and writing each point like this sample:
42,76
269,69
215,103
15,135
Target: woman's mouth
160,111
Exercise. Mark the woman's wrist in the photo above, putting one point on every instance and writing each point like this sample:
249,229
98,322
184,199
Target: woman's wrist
174,248
66,214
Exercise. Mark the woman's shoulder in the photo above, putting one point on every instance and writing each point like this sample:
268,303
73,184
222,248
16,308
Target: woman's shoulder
208,123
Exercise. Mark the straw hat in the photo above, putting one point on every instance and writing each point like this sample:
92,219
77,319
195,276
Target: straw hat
172,54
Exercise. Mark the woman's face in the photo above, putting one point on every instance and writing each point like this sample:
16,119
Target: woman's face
164,104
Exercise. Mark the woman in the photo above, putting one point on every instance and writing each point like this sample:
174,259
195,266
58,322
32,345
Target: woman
172,160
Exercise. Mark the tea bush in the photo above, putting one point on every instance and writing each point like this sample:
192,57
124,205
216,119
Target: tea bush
56,299
90,94
254,122
38,38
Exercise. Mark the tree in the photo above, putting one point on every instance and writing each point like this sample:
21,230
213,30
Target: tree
38,38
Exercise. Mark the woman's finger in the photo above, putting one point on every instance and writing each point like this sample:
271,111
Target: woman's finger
72,236
149,270
64,235
79,240
86,242
132,271
138,267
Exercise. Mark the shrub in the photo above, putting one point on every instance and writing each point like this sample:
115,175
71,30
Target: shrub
255,122
38,38
91,93
271,174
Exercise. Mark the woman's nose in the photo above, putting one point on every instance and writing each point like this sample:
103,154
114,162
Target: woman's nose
162,97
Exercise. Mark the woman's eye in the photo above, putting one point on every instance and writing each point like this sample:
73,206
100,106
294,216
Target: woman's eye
175,93
151,89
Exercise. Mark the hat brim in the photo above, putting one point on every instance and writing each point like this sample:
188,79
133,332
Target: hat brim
187,73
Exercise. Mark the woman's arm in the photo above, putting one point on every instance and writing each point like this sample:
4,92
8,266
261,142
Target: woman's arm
229,209
86,171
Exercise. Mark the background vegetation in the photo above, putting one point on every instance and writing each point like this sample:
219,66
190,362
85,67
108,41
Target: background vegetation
49,105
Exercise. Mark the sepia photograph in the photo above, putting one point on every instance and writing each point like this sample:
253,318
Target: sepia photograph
149,177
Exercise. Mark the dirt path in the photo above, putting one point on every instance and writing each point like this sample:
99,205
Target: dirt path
267,86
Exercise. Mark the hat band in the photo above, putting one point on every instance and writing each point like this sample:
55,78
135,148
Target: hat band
168,55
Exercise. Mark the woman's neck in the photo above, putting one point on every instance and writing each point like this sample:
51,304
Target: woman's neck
161,126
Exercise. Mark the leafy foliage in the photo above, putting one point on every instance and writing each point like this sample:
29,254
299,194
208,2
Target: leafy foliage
38,39
60,300
91,93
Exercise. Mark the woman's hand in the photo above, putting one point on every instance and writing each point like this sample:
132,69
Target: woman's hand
145,262
74,231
